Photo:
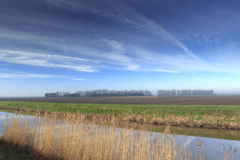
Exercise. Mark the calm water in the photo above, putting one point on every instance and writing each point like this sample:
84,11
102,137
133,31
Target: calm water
212,140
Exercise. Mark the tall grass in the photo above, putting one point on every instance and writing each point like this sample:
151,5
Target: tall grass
52,138
61,139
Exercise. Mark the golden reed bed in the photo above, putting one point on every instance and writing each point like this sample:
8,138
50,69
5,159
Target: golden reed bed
48,138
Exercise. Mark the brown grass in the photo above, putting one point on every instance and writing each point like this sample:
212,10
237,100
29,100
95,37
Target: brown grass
57,139
51,138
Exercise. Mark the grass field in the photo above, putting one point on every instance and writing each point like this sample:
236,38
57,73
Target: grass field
141,100
124,110
190,115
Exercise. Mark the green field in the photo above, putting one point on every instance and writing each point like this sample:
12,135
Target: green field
206,114
123,109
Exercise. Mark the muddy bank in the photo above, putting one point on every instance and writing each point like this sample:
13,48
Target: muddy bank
199,121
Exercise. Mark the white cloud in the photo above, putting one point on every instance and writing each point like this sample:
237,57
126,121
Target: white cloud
41,55
115,59
115,45
44,60
4,75
120,55
161,70
117,56
138,59
77,79
126,15
143,23
30,75
133,67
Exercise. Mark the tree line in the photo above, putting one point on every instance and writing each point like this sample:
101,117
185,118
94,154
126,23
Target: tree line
101,93
184,92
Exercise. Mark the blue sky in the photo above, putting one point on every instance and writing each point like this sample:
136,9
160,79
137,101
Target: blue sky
70,45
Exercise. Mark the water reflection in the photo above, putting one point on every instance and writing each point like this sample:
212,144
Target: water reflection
214,141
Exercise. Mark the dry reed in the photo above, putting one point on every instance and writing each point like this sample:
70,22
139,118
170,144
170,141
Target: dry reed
47,138
51,138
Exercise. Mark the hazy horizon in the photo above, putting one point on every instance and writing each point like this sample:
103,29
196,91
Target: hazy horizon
154,93
67,45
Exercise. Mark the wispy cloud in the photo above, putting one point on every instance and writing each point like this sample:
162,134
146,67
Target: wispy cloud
77,79
200,79
111,52
137,59
115,45
30,75
128,16
135,19
174,64
44,60
117,55
45,56
4,75
161,70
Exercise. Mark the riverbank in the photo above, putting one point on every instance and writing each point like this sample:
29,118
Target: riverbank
207,116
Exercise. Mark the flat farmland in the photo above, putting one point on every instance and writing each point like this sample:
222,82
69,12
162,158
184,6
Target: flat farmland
141,100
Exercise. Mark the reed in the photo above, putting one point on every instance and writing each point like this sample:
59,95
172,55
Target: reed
47,138
52,138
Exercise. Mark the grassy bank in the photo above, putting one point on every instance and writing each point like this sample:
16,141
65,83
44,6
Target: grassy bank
209,116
